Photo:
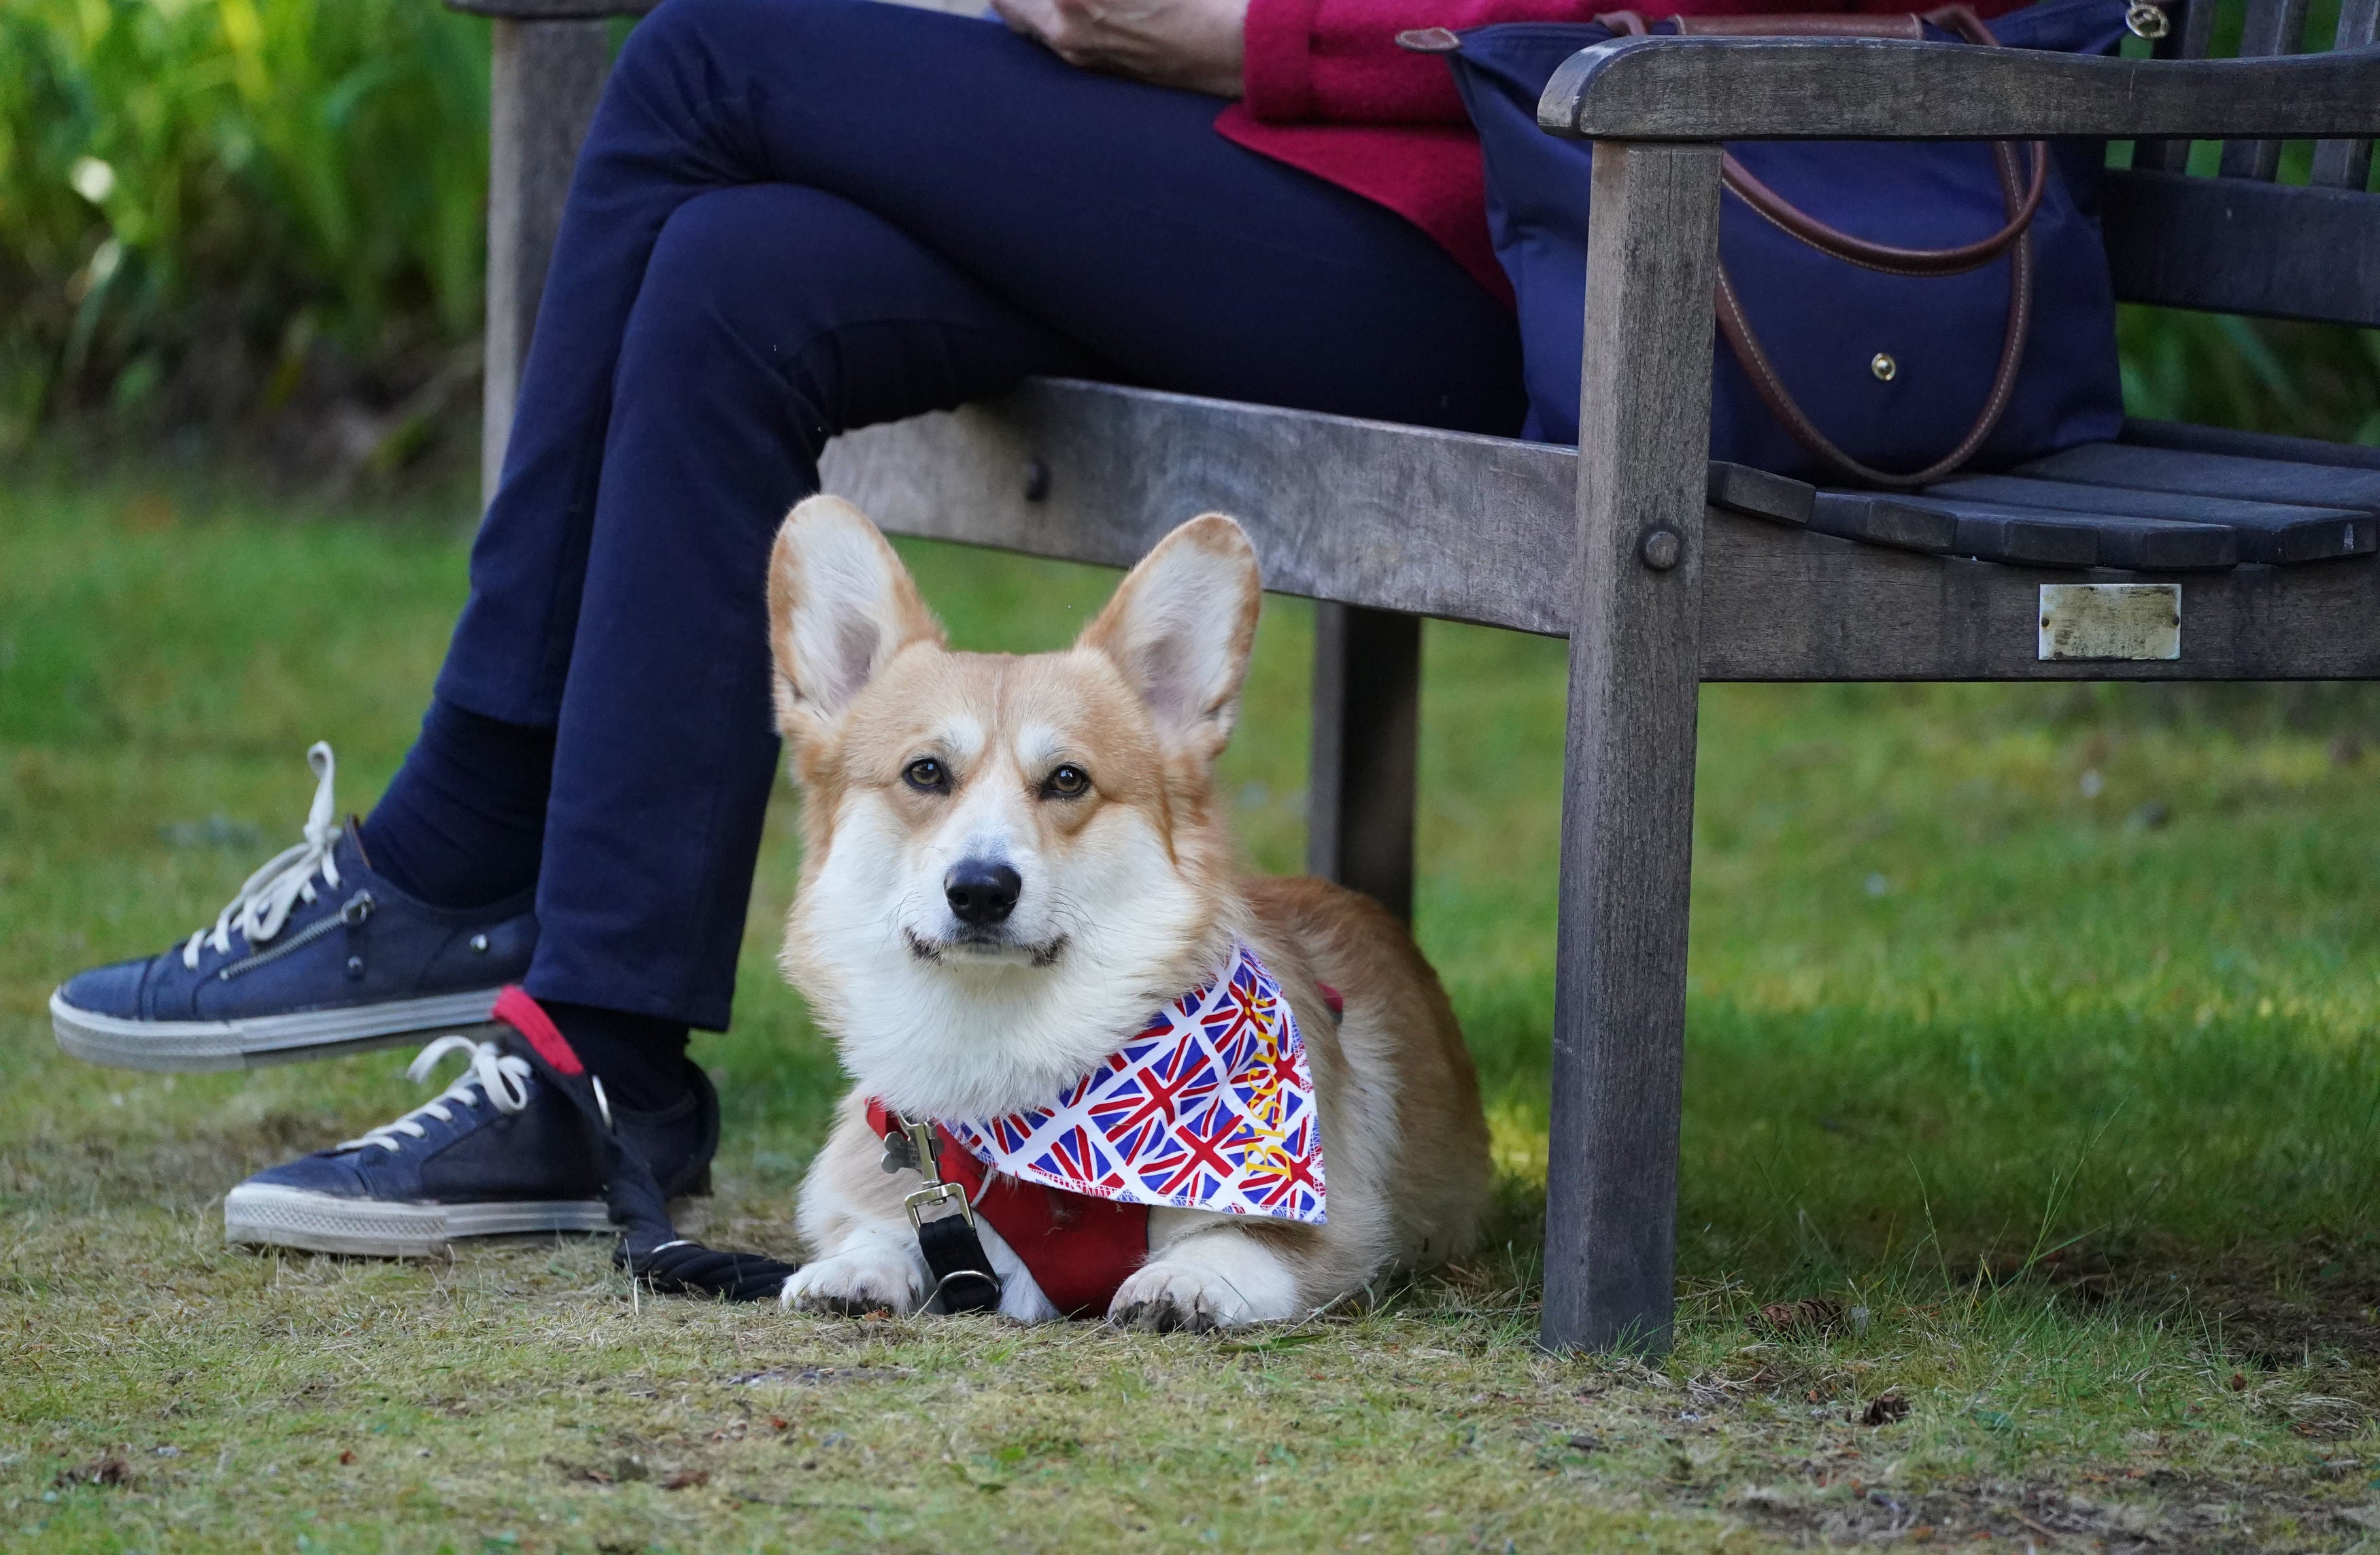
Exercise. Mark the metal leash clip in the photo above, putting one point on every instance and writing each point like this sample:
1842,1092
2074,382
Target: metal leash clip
912,1144
2145,19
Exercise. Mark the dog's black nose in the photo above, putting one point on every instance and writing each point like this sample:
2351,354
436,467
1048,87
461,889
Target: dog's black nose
981,891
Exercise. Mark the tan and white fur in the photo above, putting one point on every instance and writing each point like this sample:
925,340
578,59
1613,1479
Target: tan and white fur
1090,774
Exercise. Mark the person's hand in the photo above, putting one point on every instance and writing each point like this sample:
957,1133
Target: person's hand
1196,45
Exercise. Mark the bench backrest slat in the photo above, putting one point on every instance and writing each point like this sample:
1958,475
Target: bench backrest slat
2274,27
2236,246
2242,242
2191,34
2346,164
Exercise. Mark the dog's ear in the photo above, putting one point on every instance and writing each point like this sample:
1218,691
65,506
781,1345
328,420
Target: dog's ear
839,606
1180,629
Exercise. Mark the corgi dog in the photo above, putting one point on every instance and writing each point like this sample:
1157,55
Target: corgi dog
1009,862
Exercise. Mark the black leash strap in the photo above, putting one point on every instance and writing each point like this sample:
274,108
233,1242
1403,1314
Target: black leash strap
649,1248
963,1280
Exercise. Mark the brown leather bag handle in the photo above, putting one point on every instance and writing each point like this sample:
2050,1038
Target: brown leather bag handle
1893,261
1800,224
2022,204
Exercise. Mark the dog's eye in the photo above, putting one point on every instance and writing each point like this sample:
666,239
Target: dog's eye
1068,782
926,774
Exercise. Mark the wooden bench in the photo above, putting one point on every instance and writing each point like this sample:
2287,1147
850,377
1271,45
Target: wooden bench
1663,571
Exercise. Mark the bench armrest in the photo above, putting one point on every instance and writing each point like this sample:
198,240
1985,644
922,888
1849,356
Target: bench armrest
1858,88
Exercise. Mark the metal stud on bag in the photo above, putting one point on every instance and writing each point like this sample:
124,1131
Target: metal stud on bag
2145,19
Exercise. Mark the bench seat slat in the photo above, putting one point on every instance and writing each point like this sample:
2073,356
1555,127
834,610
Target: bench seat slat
2277,533
2019,537
2192,438
1874,518
1945,529
1760,494
2213,475
2042,536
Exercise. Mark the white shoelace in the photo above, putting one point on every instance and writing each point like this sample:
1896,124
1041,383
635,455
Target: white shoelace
502,1078
273,892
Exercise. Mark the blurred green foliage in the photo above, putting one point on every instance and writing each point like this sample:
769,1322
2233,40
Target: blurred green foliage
194,194
203,202
2305,380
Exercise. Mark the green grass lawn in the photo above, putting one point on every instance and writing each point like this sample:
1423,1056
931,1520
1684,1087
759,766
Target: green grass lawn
2030,1026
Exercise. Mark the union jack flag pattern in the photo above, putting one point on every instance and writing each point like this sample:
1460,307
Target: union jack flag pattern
1210,1106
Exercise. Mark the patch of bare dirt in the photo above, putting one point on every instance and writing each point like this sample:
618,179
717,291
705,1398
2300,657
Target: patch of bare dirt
110,1469
820,1376
2271,1308
2161,1510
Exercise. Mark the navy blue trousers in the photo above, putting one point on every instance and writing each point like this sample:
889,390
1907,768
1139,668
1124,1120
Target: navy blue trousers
794,217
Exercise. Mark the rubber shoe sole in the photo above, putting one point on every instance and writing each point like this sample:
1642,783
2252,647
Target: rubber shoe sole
186,1047
268,1215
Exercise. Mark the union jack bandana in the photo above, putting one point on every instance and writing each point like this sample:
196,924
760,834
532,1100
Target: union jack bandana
1211,1106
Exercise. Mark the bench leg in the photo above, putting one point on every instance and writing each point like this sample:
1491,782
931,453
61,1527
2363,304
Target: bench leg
1359,808
544,82
1628,789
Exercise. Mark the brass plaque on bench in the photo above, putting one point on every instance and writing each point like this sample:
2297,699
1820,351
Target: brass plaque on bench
2110,621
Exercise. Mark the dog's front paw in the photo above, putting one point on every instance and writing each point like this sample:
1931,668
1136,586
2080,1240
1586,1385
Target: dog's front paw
1218,1280
858,1281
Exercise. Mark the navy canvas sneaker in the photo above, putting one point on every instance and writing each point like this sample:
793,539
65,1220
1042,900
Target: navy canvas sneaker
498,1152
316,955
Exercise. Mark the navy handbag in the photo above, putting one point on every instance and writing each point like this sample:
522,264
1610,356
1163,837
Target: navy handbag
1888,312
